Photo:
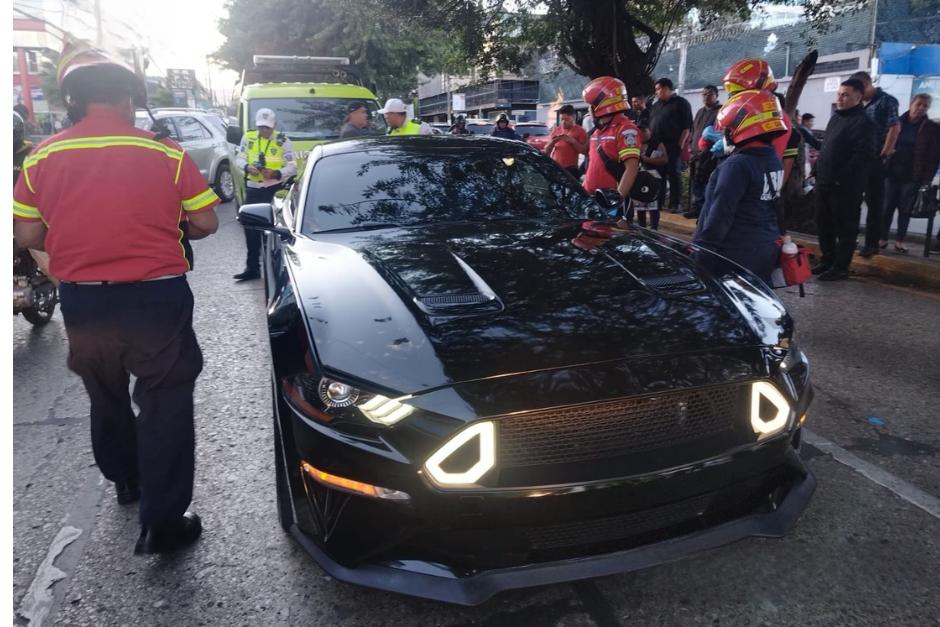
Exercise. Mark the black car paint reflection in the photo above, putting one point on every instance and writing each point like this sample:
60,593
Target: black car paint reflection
453,282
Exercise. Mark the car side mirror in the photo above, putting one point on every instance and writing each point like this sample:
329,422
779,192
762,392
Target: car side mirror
260,216
233,134
526,135
608,198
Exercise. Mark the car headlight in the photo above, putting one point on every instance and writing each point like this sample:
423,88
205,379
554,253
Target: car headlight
770,411
465,458
336,393
307,391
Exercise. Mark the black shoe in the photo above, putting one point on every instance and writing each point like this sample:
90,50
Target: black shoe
691,215
248,275
819,268
868,251
127,492
169,536
834,275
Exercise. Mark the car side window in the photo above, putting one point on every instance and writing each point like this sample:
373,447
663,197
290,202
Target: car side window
167,123
190,129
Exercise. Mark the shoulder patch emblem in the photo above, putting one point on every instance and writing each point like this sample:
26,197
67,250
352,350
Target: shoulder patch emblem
630,137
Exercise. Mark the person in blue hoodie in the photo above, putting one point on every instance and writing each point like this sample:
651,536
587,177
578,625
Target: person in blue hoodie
739,219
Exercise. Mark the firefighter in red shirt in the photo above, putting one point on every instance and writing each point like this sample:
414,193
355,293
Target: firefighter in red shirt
748,74
614,154
106,200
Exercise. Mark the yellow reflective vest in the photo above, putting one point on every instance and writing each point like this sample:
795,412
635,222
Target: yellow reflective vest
272,147
408,128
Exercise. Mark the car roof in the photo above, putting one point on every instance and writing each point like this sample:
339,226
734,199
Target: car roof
429,145
531,124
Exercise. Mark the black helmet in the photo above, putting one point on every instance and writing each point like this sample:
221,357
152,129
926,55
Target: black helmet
502,118
645,188
19,131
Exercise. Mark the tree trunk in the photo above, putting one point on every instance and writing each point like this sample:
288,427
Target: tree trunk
599,39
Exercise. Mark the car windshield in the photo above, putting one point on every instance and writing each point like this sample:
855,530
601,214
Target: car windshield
535,130
313,118
481,129
391,187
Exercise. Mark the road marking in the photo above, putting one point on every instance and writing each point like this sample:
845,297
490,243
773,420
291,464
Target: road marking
913,495
38,600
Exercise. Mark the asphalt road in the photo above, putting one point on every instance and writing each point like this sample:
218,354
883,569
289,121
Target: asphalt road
861,554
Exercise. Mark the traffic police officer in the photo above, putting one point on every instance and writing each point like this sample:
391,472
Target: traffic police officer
614,154
267,159
105,199
396,116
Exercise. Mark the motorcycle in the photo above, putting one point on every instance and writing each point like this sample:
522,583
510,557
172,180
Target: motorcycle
34,294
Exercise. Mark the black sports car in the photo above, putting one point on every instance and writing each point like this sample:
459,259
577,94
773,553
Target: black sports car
479,387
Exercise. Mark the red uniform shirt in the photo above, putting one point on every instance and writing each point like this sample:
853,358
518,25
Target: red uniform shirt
619,140
564,153
112,199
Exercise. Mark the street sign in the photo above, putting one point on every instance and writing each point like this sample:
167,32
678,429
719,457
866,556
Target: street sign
181,79
180,97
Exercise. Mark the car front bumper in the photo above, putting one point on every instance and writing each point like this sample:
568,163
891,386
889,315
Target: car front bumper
464,547
435,581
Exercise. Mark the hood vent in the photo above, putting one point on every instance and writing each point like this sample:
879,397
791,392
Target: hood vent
453,299
674,284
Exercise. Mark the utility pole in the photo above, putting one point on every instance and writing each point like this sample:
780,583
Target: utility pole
683,57
872,41
99,34
209,82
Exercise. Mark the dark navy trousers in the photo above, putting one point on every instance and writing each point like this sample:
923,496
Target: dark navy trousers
253,236
144,329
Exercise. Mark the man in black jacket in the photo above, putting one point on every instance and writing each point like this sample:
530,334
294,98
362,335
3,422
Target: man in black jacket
671,123
840,180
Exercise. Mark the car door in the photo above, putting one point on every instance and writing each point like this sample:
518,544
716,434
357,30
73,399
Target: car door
198,143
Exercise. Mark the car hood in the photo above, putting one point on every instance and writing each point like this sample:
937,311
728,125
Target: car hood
415,309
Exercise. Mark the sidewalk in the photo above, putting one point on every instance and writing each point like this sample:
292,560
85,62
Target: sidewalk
911,270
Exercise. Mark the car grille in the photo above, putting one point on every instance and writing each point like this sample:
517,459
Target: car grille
614,528
615,428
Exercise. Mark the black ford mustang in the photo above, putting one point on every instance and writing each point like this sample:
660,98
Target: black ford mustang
477,387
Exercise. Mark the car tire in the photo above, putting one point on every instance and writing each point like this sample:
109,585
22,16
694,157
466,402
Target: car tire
224,182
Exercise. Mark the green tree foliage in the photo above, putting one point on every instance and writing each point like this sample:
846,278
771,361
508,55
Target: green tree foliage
623,38
387,48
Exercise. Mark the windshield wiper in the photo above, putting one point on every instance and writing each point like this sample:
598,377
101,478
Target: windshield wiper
369,226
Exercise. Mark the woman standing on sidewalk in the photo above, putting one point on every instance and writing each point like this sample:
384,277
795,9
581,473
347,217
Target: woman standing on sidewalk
913,164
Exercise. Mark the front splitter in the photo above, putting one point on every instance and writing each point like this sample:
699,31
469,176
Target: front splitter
478,588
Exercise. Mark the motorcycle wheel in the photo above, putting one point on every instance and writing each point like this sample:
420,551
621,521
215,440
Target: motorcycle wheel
38,316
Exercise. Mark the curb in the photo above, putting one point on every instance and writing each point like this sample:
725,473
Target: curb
917,272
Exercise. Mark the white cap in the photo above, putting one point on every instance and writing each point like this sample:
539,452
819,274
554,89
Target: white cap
265,117
394,105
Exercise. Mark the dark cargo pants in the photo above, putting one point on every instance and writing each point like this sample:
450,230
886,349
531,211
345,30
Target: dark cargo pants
144,329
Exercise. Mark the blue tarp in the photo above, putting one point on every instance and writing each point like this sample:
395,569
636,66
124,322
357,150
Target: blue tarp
915,59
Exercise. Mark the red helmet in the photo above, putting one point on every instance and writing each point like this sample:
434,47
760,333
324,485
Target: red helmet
750,114
605,95
79,60
749,74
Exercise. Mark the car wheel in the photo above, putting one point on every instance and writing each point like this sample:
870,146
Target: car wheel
224,183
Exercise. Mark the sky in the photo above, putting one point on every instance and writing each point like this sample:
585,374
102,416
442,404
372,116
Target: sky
178,33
